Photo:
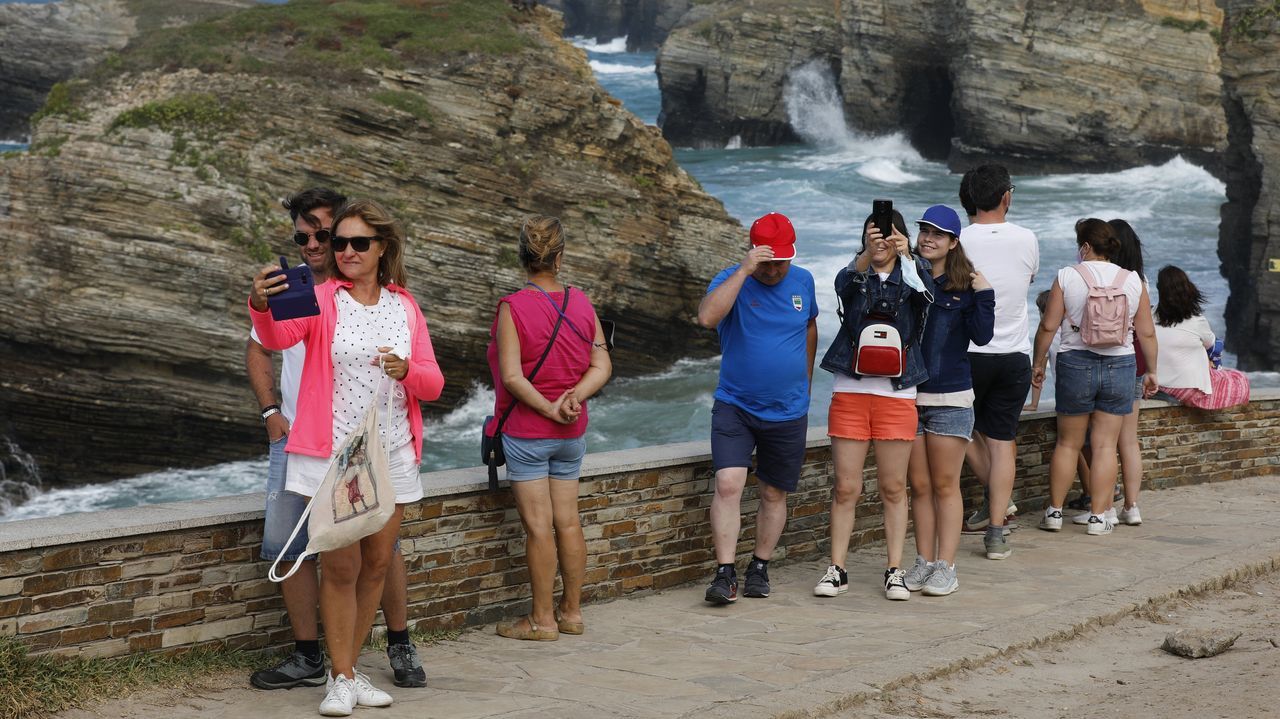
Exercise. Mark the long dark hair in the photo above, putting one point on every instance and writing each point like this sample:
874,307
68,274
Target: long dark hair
1130,255
958,268
1180,299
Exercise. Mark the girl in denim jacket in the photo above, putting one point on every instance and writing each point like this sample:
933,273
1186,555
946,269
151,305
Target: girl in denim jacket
868,409
963,311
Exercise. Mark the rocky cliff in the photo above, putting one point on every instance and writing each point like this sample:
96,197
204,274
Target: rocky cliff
1249,240
149,197
1040,86
43,44
725,69
645,23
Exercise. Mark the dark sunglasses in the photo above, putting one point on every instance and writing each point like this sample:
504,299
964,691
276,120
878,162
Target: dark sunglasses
359,244
302,238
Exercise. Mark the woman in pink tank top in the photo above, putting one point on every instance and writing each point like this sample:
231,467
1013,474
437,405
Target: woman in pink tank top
550,331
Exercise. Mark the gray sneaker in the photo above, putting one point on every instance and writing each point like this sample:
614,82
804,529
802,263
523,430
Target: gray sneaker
406,665
942,581
997,547
918,574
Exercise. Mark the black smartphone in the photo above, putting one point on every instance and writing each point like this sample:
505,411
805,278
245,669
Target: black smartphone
882,216
297,301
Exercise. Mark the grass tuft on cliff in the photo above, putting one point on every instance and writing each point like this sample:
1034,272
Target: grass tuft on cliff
321,39
40,686
200,113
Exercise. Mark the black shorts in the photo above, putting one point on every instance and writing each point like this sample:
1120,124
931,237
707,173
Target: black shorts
1000,385
779,446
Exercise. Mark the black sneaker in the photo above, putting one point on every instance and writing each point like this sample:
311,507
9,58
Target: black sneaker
295,671
406,665
757,580
724,588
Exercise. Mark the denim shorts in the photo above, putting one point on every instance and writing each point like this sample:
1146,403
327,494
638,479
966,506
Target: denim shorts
529,459
945,421
1088,382
283,510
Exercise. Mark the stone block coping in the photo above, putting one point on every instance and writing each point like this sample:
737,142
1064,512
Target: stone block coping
171,516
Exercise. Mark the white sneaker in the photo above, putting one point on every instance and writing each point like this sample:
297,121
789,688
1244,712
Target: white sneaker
1131,516
339,698
1099,526
1083,517
1052,520
895,586
834,582
367,695
918,574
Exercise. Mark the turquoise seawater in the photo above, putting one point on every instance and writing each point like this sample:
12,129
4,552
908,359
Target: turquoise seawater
826,187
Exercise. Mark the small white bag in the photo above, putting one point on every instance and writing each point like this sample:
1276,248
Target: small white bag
356,498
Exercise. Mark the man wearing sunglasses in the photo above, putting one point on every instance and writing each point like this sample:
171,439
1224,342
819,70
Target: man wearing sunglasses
312,213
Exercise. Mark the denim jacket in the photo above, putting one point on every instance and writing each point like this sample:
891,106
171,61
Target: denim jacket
955,319
859,291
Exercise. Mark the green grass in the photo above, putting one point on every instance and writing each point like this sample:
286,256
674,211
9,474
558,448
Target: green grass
321,39
1257,22
40,686
1185,25
410,102
60,101
200,113
420,637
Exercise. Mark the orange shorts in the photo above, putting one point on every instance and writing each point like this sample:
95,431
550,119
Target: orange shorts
870,416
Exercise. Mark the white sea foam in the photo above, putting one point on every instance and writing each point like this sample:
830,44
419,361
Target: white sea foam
614,68
591,44
734,143
886,172
1179,173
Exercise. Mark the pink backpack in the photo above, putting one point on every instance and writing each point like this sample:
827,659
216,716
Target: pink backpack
1105,321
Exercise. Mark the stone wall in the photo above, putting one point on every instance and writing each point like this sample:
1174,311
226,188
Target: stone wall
167,577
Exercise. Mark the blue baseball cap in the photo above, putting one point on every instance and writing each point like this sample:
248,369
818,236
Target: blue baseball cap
942,217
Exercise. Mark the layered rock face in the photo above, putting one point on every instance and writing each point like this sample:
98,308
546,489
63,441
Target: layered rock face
1249,240
131,229
43,44
725,69
1039,86
645,23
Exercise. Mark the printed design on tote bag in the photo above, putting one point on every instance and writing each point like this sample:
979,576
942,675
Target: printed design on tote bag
355,493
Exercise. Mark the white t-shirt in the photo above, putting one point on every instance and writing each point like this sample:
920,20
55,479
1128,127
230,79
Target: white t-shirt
1074,294
1182,361
1008,255
360,331
290,377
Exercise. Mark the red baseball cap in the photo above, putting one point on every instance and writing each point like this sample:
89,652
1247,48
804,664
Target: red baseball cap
775,230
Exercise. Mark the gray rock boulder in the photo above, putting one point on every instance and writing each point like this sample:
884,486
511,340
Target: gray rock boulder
1199,643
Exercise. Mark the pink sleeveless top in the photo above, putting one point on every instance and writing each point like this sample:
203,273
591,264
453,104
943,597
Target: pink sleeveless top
534,317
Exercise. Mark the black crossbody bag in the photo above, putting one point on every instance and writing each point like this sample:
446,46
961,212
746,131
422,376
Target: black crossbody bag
491,454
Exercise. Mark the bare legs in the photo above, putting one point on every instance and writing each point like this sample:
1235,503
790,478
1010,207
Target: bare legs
351,584
849,456
995,463
1131,457
553,536
936,505
726,515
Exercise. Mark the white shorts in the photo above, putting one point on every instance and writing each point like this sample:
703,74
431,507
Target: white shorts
305,473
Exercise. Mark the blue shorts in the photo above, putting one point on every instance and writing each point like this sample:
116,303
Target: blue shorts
1088,382
945,421
779,446
283,510
529,459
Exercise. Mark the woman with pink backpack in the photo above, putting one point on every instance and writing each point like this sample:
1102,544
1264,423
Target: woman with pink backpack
1099,307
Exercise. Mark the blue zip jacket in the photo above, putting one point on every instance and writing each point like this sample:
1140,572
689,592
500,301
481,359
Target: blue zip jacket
954,319
860,291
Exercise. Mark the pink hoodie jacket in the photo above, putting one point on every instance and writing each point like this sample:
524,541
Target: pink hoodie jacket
312,430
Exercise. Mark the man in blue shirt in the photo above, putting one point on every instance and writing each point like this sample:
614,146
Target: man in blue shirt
765,311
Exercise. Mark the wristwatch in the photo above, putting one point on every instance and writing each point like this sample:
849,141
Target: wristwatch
269,410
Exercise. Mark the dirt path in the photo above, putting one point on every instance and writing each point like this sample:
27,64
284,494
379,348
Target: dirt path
1121,671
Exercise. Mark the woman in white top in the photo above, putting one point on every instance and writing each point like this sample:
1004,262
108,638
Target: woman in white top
1094,384
1184,335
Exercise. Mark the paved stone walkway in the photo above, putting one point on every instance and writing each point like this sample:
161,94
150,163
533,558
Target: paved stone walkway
794,655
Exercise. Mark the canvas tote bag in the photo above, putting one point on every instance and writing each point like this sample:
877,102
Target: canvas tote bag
356,497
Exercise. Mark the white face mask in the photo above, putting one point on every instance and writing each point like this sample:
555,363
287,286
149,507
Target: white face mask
911,276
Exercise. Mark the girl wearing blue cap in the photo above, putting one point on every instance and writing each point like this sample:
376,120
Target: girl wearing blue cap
963,310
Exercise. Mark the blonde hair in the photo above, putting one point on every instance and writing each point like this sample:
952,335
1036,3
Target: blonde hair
386,229
541,242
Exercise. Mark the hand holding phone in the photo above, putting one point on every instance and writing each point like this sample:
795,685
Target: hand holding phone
299,297
882,216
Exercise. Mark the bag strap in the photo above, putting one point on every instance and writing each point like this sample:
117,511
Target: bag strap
297,563
497,431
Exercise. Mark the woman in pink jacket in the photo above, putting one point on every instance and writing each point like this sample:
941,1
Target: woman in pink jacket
366,316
